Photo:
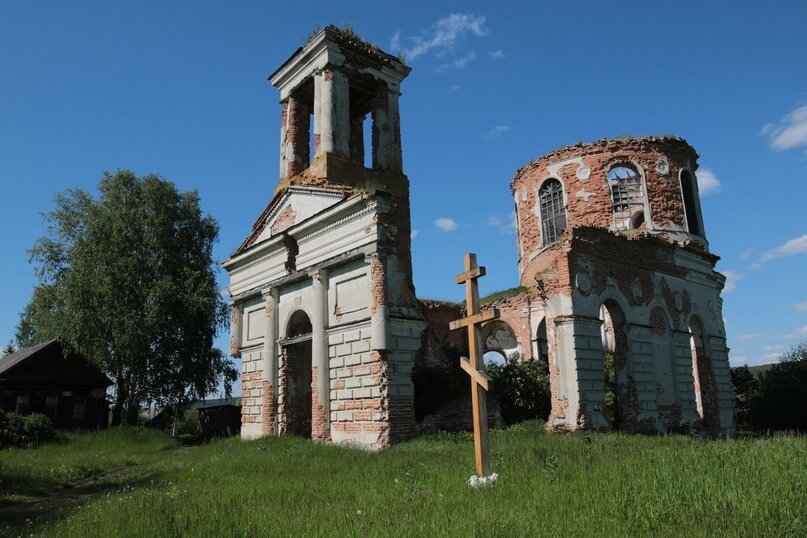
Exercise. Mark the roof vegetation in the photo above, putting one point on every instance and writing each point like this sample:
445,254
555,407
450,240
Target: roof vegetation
503,294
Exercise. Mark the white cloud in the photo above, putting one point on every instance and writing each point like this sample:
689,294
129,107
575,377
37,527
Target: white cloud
739,361
395,42
444,34
512,223
773,348
708,182
454,88
458,63
506,226
770,357
498,131
800,307
413,234
797,245
756,266
802,331
497,54
732,277
747,337
789,132
445,224
747,254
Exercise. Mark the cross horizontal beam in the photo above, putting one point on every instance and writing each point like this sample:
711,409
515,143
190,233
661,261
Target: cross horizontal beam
474,272
482,317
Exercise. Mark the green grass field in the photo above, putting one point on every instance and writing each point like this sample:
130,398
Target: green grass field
138,483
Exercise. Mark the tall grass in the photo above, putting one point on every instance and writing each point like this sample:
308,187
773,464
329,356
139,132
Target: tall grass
580,484
26,472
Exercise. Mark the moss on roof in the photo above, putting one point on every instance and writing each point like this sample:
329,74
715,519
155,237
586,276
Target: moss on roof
503,294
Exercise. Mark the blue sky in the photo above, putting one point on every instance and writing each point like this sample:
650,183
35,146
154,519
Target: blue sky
179,88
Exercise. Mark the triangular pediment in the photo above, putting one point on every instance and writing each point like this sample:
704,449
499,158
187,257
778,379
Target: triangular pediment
289,207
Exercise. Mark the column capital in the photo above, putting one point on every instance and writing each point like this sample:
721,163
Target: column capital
270,291
318,274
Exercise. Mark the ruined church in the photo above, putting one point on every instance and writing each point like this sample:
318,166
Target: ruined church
615,271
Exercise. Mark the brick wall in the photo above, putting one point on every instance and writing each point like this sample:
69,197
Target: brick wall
587,193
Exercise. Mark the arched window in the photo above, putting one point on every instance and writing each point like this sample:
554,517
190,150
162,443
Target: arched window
299,324
627,197
553,211
690,204
497,335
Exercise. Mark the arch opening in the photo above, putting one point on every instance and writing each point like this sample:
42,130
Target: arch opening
690,204
497,335
705,388
627,197
553,211
295,377
615,360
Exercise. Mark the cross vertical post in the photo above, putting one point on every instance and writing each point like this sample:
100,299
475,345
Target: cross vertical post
475,367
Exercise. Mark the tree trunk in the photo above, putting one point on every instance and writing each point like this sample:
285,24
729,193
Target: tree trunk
120,400
132,414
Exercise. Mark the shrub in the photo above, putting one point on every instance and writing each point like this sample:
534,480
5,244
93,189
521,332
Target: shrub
38,428
522,388
11,429
17,430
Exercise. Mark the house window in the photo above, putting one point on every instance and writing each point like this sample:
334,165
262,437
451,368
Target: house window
627,197
51,406
23,406
553,211
690,204
78,409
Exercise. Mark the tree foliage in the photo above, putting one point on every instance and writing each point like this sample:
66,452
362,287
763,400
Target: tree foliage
127,280
781,400
746,389
522,388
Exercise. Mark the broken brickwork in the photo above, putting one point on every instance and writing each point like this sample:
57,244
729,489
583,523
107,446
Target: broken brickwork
632,285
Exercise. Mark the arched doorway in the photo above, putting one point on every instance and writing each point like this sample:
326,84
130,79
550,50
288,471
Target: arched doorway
295,376
615,362
705,389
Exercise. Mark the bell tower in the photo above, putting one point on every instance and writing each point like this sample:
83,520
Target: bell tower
328,89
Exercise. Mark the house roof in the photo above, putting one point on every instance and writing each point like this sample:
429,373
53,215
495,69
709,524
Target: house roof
48,364
12,359
217,402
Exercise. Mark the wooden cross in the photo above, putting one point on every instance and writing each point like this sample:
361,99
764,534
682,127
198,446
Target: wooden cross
475,367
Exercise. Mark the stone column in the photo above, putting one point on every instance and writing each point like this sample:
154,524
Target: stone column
320,409
395,162
235,329
298,123
332,101
269,408
580,377
284,125
318,116
379,318
386,130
